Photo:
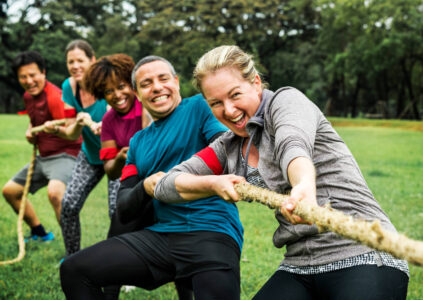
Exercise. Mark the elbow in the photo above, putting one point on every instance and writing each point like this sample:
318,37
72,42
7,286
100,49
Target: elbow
112,175
165,190
159,192
123,213
112,170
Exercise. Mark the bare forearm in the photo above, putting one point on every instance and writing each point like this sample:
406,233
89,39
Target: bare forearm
70,132
113,168
302,176
192,187
301,170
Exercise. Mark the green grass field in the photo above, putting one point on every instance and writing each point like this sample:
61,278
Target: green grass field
391,160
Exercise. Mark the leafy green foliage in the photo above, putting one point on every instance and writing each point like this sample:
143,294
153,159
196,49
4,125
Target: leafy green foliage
350,57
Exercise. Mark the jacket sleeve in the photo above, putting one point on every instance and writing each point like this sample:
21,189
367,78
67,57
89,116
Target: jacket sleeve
132,199
294,122
209,161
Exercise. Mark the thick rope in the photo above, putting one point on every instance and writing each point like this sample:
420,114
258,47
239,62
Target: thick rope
21,240
327,219
41,127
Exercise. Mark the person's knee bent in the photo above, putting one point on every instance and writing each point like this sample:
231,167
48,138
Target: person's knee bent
11,191
70,273
67,269
55,193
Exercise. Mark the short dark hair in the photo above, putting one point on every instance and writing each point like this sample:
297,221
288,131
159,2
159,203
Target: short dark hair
114,68
80,44
26,58
146,60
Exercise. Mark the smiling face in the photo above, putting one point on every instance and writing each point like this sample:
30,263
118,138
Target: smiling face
119,96
157,88
232,99
32,79
78,63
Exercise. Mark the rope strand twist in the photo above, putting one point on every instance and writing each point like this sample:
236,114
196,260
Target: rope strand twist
326,218
21,240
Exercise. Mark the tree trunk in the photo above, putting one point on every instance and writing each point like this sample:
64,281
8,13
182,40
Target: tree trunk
407,77
354,100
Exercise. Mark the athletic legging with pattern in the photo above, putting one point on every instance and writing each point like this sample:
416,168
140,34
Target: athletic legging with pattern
85,177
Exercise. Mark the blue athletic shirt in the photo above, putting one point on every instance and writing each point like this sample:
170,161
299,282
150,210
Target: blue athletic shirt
91,144
170,141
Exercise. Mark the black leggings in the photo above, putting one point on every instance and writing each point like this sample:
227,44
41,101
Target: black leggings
84,274
367,282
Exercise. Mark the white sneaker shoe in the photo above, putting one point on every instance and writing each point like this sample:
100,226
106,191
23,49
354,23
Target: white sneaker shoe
128,288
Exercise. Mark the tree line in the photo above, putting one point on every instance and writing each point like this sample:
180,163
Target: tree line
352,58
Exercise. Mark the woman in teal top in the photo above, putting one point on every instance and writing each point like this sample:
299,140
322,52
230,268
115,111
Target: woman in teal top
88,170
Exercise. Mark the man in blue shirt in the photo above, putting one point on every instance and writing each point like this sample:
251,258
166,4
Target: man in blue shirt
197,243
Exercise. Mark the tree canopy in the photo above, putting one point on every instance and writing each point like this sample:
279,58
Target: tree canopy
353,58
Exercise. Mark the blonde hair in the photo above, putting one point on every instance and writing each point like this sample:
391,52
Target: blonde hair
225,56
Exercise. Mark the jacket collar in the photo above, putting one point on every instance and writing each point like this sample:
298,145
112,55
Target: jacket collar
258,119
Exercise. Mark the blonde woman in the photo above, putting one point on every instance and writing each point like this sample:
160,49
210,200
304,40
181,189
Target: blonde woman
282,141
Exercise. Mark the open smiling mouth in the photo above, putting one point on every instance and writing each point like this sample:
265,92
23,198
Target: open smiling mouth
237,118
121,102
158,99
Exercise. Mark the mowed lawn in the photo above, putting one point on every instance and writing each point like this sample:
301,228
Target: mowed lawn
391,160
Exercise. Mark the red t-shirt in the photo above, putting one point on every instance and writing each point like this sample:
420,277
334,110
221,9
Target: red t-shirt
49,106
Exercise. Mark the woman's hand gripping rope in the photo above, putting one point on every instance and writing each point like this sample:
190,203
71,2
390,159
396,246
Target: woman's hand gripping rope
370,234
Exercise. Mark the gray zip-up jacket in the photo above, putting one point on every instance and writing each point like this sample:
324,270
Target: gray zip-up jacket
288,125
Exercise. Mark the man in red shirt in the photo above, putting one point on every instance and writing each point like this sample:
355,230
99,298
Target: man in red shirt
54,164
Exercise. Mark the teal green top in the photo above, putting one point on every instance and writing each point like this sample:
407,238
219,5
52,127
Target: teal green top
91,145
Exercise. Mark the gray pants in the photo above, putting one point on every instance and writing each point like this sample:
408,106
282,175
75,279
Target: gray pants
85,177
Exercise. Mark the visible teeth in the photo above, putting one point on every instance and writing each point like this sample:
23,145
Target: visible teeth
121,102
159,99
237,119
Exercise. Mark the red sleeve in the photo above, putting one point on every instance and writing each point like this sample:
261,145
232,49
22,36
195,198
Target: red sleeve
108,153
70,112
54,101
128,171
210,158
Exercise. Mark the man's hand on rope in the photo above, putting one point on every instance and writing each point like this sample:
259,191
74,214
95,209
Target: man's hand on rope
151,181
300,192
30,137
51,127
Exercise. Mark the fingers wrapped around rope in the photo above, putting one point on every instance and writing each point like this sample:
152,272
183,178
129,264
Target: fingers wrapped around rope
370,234
41,127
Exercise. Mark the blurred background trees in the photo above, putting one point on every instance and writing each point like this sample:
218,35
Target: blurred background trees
352,58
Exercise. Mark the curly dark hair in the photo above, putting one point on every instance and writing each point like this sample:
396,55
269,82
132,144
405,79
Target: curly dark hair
112,68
